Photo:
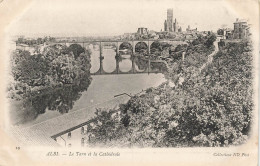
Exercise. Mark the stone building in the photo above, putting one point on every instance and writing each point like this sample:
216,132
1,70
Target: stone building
175,25
226,33
188,29
169,25
241,29
169,20
165,26
142,31
191,30
180,29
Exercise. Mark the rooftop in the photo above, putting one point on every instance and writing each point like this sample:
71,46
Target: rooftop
240,21
40,133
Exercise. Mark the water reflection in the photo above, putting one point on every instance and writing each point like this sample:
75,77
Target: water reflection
141,63
64,98
125,65
109,62
59,99
94,61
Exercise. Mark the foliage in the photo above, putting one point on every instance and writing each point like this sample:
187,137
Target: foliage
220,32
76,49
141,47
141,62
56,65
160,49
59,99
210,108
125,45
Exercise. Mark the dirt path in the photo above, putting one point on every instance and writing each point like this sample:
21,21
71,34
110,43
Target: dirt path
210,57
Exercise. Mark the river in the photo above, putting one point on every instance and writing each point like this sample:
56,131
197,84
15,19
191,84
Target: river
103,88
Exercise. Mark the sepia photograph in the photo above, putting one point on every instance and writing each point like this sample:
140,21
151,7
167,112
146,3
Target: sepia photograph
130,78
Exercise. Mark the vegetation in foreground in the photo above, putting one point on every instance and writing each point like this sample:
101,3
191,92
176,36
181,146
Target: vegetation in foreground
57,65
52,79
209,108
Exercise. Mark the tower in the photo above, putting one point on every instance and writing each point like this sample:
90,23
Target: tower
175,25
188,29
165,26
170,20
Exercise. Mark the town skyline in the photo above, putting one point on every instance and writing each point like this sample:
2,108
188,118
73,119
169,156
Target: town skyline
105,20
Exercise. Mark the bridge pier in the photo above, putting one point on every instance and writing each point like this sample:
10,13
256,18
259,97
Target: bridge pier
117,64
101,70
133,45
149,64
117,48
133,64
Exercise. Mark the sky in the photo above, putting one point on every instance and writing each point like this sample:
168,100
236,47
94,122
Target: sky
115,17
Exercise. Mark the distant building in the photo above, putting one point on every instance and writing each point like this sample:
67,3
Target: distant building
241,29
169,20
180,29
228,34
188,29
175,25
142,31
165,26
191,30
169,25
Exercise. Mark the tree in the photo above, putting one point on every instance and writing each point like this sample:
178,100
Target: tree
141,47
55,66
76,49
210,40
220,32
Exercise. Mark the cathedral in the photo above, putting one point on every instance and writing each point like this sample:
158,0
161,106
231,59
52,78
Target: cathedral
169,25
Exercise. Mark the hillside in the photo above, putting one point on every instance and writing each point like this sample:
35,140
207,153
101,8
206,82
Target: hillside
211,107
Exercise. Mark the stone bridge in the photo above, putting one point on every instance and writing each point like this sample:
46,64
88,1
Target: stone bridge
118,44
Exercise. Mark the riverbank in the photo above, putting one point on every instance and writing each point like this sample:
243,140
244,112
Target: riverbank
98,95
46,105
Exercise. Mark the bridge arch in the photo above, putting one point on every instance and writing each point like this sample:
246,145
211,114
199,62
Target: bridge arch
141,47
125,47
155,47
